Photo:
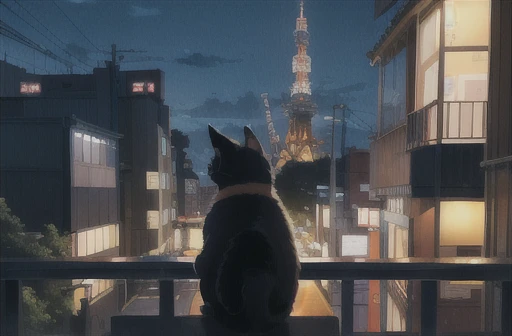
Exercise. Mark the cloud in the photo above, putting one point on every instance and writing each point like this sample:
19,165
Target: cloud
201,61
246,107
139,11
77,50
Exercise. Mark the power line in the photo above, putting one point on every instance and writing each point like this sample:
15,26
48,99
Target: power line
14,35
74,25
20,17
62,42
361,120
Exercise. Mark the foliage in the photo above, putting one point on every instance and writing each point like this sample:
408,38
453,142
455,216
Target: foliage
179,140
45,305
296,185
36,309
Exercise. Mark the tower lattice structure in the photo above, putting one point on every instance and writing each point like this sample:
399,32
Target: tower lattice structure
301,144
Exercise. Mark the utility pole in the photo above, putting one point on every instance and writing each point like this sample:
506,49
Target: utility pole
113,91
333,236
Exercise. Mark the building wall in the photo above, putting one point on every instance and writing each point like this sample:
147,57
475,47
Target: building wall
499,135
389,160
140,154
34,169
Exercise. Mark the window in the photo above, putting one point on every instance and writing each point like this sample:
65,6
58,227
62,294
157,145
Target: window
162,180
164,146
77,146
30,88
153,219
394,92
103,152
111,153
152,180
428,60
95,151
87,148
462,223
465,76
467,23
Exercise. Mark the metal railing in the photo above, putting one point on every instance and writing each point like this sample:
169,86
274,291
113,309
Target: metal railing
167,269
463,122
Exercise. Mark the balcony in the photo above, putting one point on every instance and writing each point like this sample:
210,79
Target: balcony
463,122
167,269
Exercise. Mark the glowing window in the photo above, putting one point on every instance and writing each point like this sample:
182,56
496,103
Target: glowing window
153,219
151,87
138,87
30,88
87,148
152,180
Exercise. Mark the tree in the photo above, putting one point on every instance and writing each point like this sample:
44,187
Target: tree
45,306
296,185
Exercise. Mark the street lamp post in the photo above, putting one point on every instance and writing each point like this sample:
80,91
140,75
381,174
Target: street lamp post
332,184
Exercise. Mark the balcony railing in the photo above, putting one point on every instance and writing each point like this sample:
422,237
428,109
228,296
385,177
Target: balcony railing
463,122
167,269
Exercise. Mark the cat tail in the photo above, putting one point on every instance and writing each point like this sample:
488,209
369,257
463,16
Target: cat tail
246,280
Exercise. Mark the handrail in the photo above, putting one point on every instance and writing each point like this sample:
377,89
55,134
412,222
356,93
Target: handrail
167,268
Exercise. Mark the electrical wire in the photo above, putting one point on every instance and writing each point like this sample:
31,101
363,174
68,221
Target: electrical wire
62,42
14,35
20,17
74,25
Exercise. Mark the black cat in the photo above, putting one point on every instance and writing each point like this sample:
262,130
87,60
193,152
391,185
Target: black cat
248,267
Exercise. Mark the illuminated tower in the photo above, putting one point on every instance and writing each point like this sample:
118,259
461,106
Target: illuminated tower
300,142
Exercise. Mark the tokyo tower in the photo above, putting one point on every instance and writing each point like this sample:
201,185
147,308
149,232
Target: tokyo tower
301,144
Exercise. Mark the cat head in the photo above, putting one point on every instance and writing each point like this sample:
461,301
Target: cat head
235,164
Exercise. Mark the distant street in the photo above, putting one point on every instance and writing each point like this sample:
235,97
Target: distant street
309,302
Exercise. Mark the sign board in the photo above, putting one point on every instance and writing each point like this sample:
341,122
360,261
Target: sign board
354,246
364,188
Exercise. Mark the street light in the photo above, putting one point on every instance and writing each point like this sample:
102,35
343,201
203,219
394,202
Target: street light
332,184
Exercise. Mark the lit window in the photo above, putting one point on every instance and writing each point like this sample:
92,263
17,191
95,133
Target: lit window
164,146
91,240
153,219
467,23
87,148
99,240
30,88
138,87
77,146
95,150
106,237
151,87
462,223
82,244
152,180
103,152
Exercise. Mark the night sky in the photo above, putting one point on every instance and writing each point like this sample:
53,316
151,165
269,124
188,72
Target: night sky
211,50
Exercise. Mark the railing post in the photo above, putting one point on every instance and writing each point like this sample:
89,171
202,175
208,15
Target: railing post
428,308
347,307
166,299
506,308
11,308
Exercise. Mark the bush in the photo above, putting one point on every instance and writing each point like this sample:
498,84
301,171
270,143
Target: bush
45,304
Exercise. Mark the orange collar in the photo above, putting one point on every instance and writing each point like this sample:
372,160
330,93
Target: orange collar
248,188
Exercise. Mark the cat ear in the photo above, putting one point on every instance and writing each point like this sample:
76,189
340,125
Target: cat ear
251,141
218,140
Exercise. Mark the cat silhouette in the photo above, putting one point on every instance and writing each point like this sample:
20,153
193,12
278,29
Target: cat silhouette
248,268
